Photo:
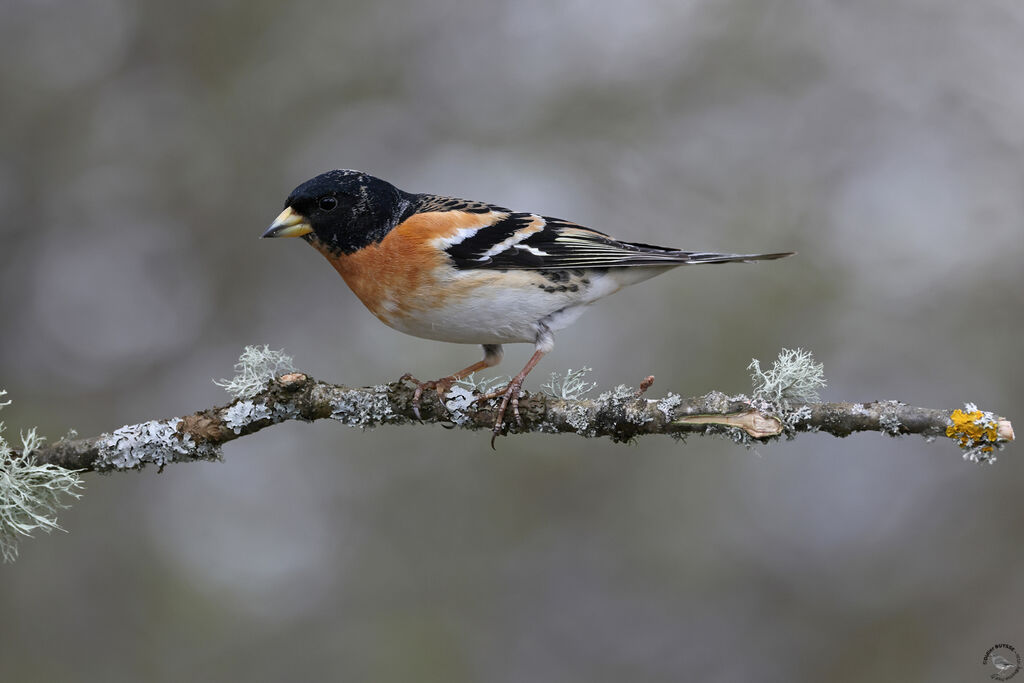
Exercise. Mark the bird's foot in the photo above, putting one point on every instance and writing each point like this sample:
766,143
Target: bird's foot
509,396
440,386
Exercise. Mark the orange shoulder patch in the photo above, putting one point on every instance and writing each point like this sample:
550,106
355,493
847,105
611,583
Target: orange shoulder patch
404,272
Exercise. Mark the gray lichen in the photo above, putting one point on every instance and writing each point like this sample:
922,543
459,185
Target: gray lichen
363,409
889,419
482,385
668,405
570,387
793,378
617,395
254,370
30,494
465,394
157,442
718,402
285,411
459,401
243,413
622,405
613,402
792,419
636,412
578,417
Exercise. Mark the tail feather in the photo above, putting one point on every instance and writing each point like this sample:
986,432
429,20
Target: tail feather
709,257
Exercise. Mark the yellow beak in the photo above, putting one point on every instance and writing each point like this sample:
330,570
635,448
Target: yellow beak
288,224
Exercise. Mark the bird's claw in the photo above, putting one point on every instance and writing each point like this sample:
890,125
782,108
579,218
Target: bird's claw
440,386
509,396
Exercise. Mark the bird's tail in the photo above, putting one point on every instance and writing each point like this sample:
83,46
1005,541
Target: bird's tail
710,257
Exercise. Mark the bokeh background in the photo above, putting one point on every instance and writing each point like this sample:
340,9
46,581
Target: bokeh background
145,147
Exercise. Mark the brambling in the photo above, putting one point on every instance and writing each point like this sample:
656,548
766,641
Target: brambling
468,272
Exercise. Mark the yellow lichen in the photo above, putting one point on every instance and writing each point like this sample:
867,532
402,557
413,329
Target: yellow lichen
971,428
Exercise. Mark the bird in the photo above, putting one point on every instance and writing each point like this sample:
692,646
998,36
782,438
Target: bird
468,272
1003,665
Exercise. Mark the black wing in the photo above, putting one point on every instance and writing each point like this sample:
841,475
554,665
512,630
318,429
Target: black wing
526,241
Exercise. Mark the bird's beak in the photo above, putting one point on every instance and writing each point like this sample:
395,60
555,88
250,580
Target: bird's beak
288,224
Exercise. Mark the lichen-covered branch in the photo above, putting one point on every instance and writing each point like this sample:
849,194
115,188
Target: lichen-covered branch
622,414
37,479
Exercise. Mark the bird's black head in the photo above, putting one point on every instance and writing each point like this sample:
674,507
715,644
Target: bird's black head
345,210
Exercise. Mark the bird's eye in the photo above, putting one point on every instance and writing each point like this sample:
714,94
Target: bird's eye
328,203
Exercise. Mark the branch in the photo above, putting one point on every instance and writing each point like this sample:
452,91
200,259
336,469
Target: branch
622,415
35,480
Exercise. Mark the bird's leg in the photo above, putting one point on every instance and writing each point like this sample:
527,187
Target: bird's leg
492,356
510,394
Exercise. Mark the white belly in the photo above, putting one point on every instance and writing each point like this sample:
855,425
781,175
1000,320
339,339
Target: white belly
506,307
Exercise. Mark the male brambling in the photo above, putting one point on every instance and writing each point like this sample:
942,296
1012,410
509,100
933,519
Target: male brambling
468,272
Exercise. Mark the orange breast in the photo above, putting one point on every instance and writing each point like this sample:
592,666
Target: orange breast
405,272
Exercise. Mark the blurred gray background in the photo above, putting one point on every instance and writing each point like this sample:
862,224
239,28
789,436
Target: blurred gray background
145,147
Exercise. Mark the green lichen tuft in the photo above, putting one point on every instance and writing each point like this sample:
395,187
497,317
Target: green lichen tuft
793,378
254,370
572,386
30,494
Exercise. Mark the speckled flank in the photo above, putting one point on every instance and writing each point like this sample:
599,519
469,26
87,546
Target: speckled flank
571,280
